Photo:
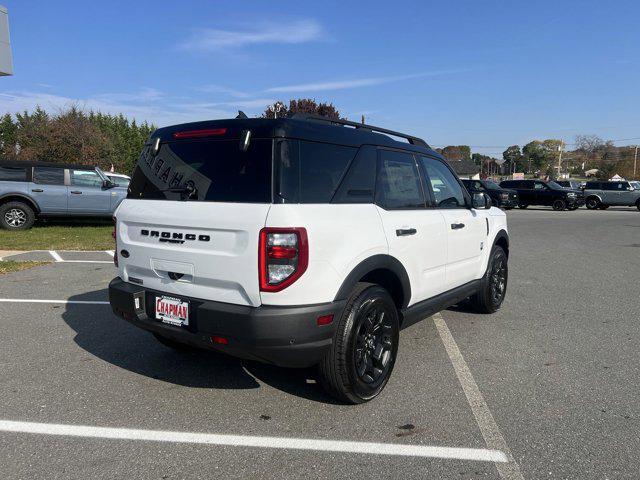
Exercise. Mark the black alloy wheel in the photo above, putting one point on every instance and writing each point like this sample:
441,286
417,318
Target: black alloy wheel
363,352
559,205
493,287
592,203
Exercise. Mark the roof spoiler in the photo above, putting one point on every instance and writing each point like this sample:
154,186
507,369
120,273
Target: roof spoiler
336,121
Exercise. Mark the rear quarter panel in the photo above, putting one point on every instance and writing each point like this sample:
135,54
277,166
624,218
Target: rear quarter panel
340,237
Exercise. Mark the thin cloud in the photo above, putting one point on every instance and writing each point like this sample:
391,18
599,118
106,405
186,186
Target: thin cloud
359,82
292,32
161,111
222,89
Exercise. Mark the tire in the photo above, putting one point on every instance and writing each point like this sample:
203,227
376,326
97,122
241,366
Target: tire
493,287
522,206
16,216
167,342
559,205
593,203
368,328
508,208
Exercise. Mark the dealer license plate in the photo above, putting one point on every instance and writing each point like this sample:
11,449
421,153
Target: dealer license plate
172,311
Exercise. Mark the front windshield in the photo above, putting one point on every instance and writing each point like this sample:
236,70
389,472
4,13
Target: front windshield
555,186
492,185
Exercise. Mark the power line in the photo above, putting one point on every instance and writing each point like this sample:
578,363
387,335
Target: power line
507,146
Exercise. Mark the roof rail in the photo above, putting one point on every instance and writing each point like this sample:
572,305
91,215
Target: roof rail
337,121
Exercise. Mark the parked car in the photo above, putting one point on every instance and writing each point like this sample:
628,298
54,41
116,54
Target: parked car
571,184
537,192
37,189
635,185
119,179
500,197
602,195
301,241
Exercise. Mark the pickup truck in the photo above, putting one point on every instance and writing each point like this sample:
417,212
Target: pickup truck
38,189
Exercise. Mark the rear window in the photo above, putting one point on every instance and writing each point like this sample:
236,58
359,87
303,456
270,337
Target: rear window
13,174
205,170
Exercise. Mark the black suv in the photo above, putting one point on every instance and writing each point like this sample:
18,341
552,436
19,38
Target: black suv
500,197
537,192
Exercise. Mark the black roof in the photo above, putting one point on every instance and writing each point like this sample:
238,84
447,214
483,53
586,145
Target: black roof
304,127
34,163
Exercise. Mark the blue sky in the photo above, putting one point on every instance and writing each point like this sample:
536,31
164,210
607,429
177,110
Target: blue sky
487,74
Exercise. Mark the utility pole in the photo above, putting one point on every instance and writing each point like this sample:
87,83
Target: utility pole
635,161
560,157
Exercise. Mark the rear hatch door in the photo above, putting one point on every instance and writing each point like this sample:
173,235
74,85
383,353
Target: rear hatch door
191,222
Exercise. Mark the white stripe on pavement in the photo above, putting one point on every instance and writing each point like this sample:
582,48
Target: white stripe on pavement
27,300
488,426
284,443
110,252
55,256
88,261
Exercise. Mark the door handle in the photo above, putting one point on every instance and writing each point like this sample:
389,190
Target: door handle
37,190
401,232
76,192
457,226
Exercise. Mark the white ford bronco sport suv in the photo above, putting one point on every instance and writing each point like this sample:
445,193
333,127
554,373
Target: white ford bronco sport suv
301,242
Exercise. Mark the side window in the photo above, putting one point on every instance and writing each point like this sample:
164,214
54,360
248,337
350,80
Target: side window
13,174
85,178
478,186
608,186
527,184
398,182
48,175
322,166
359,183
540,186
447,192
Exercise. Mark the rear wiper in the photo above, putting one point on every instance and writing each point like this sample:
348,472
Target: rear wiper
188,190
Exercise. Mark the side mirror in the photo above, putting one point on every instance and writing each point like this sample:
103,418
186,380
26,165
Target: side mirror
108,184
481,201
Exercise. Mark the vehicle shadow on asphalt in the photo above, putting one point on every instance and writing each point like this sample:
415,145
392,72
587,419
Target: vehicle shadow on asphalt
113,340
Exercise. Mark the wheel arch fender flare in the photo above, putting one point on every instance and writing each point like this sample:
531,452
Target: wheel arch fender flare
9,197
502,239
371,264
593,195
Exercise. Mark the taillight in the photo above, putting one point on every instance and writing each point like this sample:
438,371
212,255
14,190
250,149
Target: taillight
282,258
115,241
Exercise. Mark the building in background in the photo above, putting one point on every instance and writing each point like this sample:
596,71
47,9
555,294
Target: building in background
6,60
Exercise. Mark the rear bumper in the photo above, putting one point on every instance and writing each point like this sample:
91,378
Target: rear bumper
284,336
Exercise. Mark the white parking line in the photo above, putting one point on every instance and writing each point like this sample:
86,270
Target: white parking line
488,426
110,252
283,443
55,256
88,261
64,302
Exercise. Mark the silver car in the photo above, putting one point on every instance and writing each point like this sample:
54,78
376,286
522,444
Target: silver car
602,195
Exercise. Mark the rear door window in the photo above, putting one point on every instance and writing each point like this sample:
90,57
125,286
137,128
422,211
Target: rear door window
48,175
13,174
205,170
398,184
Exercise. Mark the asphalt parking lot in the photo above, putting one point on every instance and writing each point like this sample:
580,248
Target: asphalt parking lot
551,381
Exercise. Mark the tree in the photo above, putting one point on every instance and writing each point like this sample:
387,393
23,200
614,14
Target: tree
589,144
456,153
513,157
301,105
8,130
